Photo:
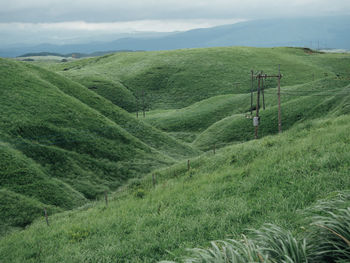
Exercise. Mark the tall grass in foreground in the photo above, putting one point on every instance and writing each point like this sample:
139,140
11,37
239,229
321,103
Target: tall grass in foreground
330,229
327,239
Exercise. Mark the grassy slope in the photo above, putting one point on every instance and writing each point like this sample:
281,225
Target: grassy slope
242,186
200,83
199,116
144,132
181,212
294,109
175,79
67,140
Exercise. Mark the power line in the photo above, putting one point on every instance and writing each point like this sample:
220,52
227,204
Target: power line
319,95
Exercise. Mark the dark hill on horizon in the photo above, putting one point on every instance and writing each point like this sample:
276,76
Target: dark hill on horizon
317,33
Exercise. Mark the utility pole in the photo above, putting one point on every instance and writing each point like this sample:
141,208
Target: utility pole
279,99
251,94
260,76
257,107
262,90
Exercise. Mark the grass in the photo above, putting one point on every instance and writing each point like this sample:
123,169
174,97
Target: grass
329,220
177,79
191,93
69,133
294,109
326,241
19,210
62,144
242,186
222,119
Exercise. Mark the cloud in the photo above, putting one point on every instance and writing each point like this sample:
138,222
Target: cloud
52,21
80,31
121,10
123,26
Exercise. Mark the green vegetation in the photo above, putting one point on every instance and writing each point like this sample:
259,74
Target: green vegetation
242,186
19,210
63,144
327,240
301,103
69,133
192,93
176,79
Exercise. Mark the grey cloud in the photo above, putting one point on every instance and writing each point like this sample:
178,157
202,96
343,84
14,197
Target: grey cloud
118,10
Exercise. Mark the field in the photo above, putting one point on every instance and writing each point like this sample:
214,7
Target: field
63,145
69,133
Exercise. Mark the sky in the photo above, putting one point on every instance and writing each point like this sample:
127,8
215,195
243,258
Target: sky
74,21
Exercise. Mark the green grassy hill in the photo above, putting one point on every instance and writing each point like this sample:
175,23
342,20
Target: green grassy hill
300,104
192,93
242,186
68,133
176,79
62,144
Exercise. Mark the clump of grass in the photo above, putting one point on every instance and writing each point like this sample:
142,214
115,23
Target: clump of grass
229,251
330,229
327,240
270,244
281,245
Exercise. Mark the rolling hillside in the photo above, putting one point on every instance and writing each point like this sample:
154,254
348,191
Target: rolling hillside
176,79
241,187
190,91
62,144
69,133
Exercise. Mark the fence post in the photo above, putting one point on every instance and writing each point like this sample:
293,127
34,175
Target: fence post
154,180
46,216
106,198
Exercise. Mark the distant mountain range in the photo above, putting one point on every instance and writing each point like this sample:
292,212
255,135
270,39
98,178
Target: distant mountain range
75,55
317,33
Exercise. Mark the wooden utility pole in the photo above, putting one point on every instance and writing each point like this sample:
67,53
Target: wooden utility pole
251,93
262,91
279,100
261,77
257,106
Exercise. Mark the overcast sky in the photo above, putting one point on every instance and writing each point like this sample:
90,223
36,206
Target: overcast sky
68,21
